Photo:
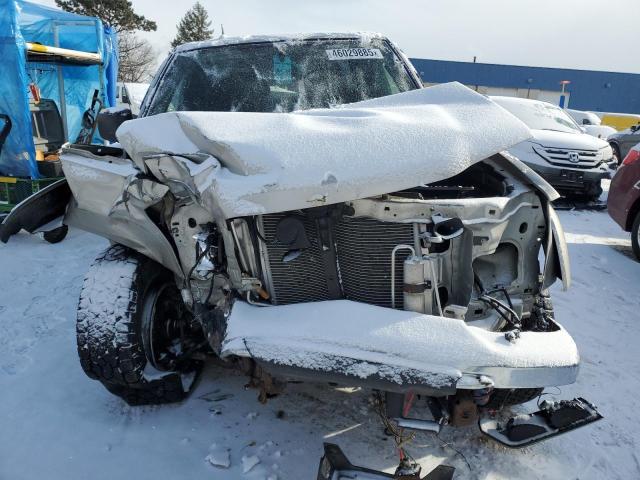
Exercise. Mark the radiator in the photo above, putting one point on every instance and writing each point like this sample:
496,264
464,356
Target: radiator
363,250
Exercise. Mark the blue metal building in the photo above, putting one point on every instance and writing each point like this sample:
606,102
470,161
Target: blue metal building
589,90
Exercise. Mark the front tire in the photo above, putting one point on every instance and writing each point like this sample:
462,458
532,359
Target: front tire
129,317
593,192
635,236
616,154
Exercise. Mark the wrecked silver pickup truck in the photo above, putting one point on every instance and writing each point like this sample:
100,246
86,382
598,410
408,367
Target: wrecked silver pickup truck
301,207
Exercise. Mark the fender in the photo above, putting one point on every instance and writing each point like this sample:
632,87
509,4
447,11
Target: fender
110,199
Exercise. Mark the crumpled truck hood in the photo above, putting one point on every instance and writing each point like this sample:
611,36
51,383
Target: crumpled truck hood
261,163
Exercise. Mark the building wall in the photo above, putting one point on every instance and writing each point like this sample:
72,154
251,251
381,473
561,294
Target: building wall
532,93
588,90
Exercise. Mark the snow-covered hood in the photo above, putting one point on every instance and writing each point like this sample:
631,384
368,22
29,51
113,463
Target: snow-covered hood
599,131
258,163
570,141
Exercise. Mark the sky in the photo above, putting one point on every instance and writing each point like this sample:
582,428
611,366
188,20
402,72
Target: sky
582,34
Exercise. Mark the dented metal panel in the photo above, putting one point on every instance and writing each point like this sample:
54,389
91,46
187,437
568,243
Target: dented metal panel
264,163
109,199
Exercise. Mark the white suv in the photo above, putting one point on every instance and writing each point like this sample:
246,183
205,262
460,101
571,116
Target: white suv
559,150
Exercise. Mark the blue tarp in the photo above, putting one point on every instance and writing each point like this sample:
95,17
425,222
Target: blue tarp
22,22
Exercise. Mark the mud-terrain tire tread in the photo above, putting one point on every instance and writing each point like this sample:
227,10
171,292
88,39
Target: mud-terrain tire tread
108,328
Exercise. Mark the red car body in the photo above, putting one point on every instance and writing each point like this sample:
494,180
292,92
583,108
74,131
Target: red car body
624,197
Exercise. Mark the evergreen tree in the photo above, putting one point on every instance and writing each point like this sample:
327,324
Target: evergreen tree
117,13
194,26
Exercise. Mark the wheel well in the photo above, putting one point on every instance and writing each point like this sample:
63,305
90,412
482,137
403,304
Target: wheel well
616,149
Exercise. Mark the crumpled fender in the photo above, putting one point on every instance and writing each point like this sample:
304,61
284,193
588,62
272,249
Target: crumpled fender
557,255
110,199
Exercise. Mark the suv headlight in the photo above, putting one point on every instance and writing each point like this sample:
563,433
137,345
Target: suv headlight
605,154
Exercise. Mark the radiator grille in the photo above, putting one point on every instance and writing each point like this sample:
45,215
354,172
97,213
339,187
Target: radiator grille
572,158
363,249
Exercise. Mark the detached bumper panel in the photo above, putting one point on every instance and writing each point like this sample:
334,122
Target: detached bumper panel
554,418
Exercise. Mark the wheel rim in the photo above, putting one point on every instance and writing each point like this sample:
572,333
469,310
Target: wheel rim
166,334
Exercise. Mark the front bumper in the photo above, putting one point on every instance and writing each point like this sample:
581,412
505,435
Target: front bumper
360,344
573,179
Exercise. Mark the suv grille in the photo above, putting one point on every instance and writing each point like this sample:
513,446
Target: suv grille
571,158
363,250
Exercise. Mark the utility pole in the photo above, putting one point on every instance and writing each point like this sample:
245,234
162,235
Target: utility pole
563,97
474,61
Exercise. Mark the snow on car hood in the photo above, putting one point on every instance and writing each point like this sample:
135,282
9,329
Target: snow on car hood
271,162
574,141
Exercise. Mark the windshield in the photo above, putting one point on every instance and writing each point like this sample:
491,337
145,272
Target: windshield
280,76
540,115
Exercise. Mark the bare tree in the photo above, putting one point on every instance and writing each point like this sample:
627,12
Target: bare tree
137,58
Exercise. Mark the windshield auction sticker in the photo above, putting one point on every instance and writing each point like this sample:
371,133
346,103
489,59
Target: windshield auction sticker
353,53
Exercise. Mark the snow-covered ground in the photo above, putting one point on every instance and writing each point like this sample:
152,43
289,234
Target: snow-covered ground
55,423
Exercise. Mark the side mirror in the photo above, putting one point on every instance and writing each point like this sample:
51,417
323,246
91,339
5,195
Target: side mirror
109,121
